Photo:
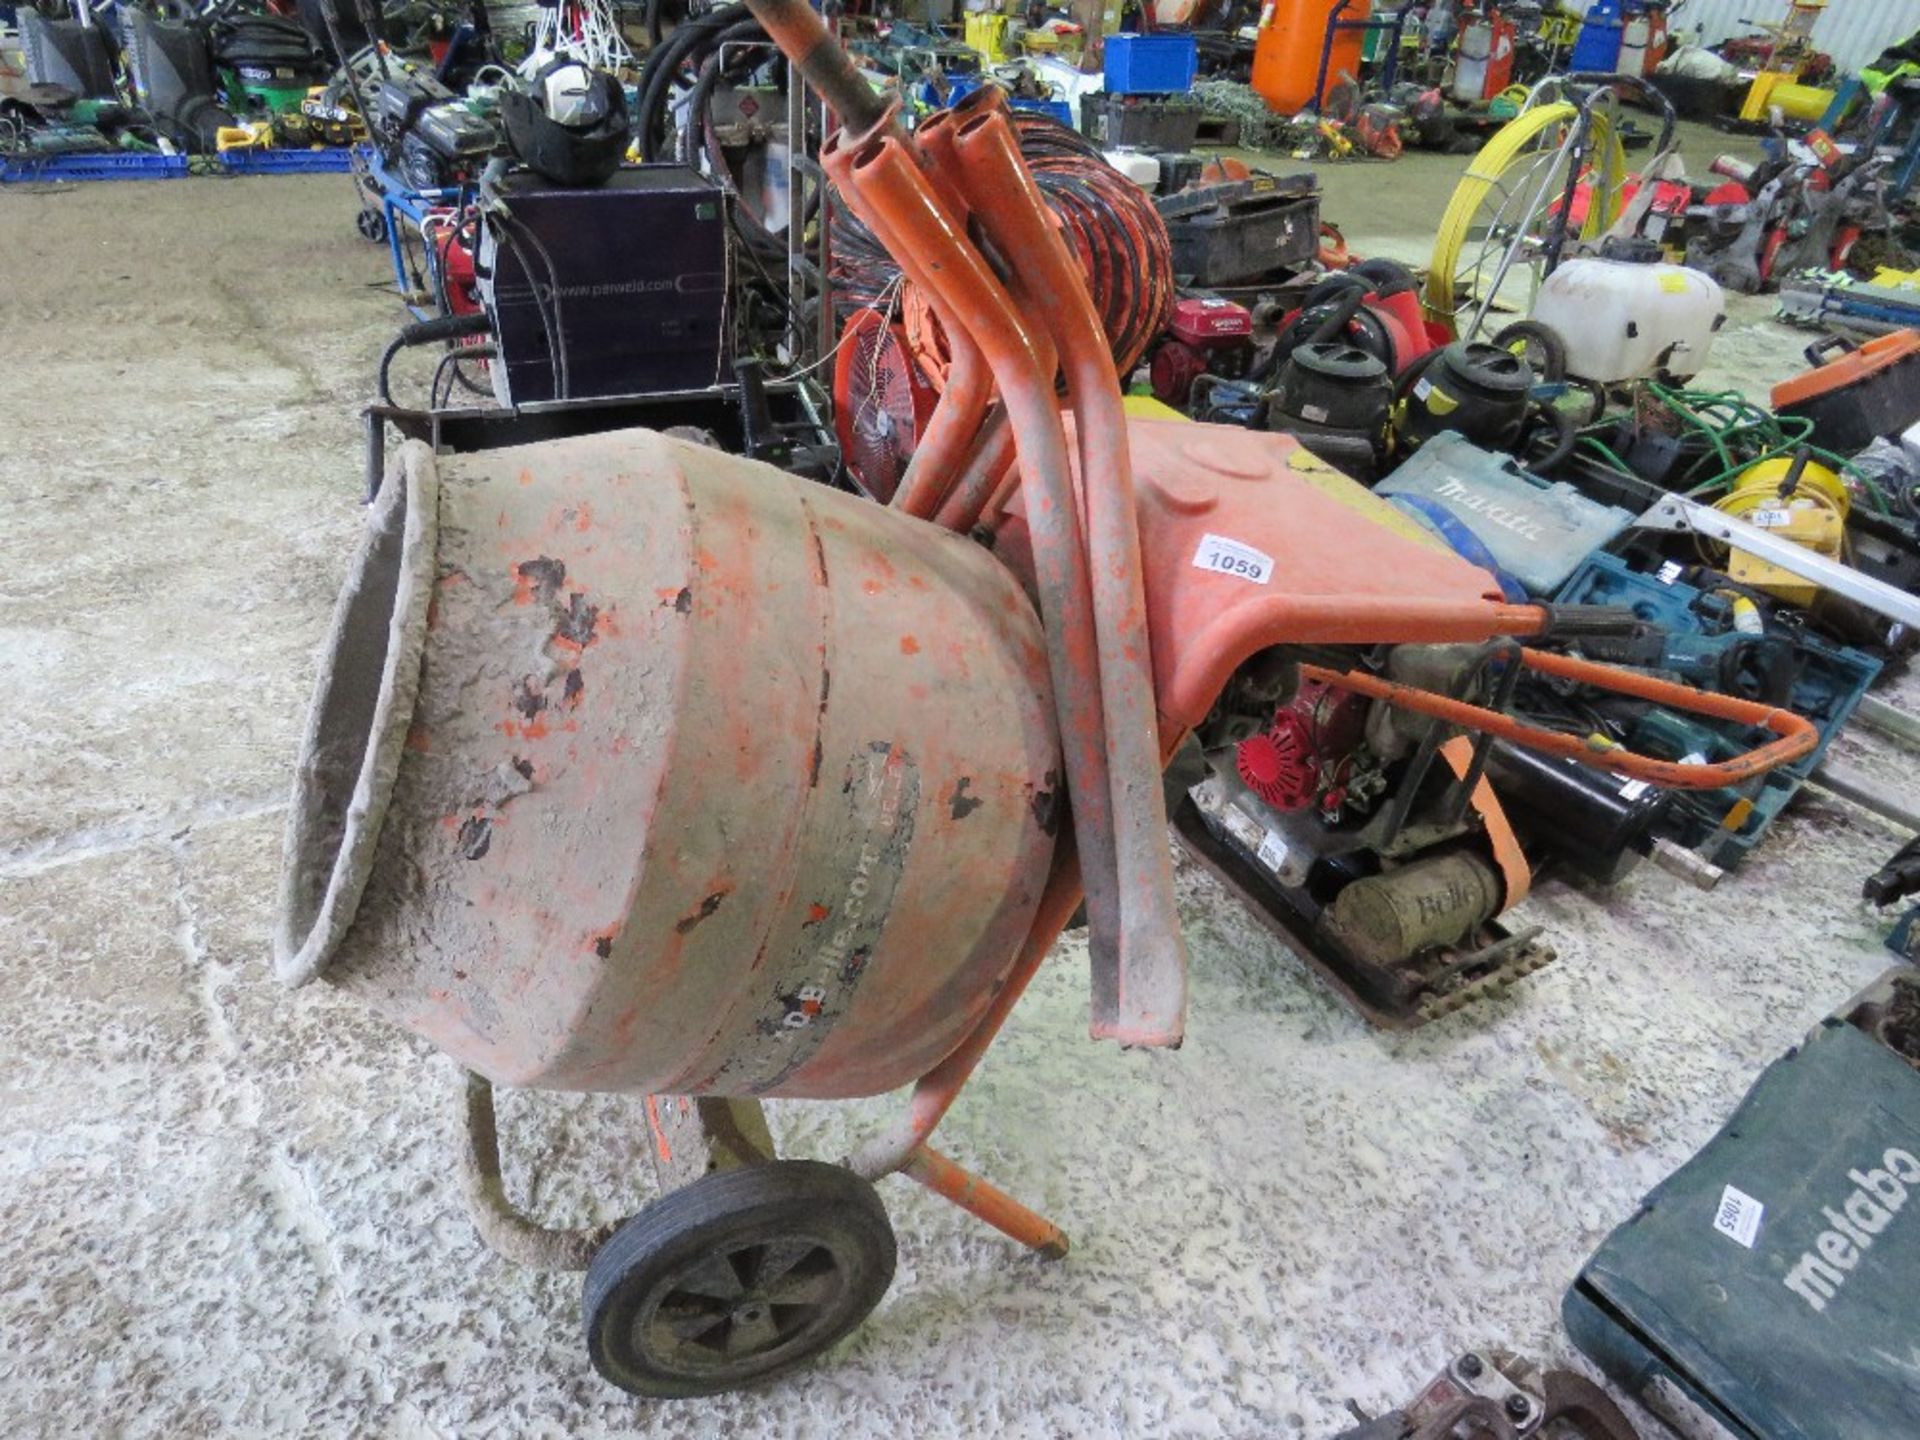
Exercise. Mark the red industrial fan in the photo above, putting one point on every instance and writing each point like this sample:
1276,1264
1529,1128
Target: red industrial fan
881,400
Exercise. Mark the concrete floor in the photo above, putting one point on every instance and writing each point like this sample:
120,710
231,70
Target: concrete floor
225,1210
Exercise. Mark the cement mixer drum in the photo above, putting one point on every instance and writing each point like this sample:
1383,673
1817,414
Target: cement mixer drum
635,766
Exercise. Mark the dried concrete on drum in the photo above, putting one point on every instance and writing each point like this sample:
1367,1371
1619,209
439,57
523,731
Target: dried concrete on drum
225,1210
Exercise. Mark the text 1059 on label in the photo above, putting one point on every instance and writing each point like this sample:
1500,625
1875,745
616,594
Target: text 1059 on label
1230,557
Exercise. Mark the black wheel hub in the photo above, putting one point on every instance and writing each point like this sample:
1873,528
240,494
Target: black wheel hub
743,1304
738,1277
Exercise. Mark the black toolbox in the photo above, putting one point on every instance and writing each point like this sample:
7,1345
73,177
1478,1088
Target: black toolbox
1243,229
1140,122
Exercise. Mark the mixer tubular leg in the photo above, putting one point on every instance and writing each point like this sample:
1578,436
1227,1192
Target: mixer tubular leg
937,1090
986,1201
696,1137
506,1229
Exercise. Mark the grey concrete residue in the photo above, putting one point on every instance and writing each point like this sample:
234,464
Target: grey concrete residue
229,1210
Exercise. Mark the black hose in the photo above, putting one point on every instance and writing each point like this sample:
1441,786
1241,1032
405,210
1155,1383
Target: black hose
550,317
394,347
711,71
1339,315
452,360
655,78
426,332
1566,434
662,66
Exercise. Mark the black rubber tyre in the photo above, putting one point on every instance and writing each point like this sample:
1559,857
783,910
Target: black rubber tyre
1539,345
737,1278
371,224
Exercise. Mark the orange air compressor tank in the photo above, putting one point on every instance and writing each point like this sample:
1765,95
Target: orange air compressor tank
1286,55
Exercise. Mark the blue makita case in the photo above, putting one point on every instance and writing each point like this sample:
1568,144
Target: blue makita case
1772,1283
1704,646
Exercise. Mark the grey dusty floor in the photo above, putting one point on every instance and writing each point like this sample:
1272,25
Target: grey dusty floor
224,1210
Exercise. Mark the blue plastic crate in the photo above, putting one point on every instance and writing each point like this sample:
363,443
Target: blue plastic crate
288,162
1058,109
107,165
1151,64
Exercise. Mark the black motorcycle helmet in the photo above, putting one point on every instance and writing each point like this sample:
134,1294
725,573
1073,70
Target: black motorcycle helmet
568,123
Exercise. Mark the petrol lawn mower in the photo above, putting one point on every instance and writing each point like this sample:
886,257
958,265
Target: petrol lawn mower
642,768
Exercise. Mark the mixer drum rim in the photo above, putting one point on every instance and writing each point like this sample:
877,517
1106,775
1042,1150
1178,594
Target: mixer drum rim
357,726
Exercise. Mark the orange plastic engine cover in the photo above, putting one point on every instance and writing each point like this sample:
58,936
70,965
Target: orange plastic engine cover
1248,540
682,776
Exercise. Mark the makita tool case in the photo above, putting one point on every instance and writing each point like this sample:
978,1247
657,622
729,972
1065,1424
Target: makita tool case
1532,530
1772,1283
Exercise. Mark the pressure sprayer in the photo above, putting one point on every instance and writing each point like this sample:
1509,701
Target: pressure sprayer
637,767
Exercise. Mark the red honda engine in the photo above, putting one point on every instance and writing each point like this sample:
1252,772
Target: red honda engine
1207,336
1305,756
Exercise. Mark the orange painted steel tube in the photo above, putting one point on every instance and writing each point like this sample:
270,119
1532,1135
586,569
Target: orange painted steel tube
952,433
1205,664
1004,489
1140,995
986,1201
955,429
933,141
1797,737
936,1091
992,458
882,178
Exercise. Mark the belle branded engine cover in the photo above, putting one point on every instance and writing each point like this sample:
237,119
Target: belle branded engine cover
568,268
1770,1281
1537,532
636,766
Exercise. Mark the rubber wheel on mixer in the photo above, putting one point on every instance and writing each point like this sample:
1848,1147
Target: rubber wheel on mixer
741,1276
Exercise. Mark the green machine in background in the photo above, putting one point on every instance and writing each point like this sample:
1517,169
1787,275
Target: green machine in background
1770,1288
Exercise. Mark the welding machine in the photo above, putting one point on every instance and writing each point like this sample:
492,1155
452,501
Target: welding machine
603,293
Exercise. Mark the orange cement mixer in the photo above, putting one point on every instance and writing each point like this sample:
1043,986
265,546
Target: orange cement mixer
638,767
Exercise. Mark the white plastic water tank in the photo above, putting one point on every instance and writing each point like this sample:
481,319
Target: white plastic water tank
1623,320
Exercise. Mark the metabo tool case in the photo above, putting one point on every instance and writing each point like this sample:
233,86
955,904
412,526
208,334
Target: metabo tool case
1771,1286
